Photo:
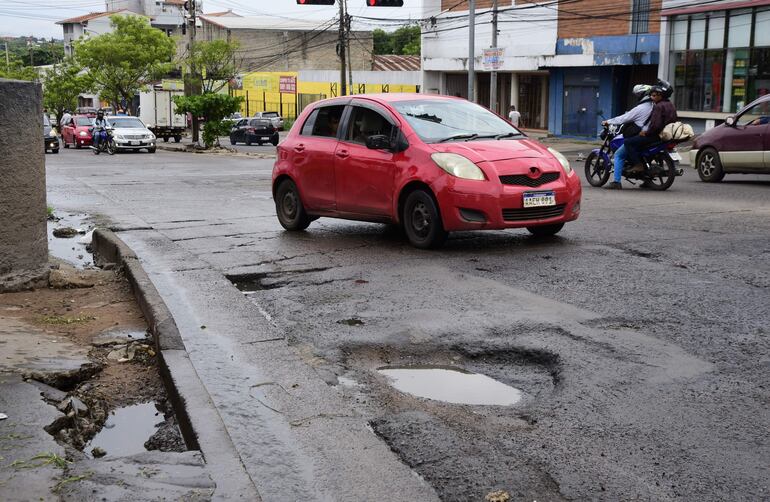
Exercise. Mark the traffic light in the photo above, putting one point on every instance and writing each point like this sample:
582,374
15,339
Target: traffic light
385,3
315,2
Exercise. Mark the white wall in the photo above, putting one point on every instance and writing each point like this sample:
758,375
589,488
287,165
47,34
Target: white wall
163,14
523,32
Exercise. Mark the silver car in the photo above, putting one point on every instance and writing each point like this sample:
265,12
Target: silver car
273,117
130,133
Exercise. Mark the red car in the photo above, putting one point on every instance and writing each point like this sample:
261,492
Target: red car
432,164
740,145
76,133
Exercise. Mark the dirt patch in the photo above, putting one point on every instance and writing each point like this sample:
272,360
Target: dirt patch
105,324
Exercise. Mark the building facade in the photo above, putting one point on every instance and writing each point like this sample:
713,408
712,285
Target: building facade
565,64
166,15
717,56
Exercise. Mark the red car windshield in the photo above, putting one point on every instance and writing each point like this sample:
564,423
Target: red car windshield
83,121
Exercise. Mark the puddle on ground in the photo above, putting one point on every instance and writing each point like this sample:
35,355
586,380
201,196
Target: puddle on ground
451,385
71,249
127,429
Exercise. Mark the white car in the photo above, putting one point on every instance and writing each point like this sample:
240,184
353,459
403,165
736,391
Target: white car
130,133
273,117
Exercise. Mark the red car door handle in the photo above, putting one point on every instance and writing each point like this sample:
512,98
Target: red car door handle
299,148
342,154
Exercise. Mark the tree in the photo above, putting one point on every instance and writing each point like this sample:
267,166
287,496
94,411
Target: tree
216,63
382,42
61,87
123,62
16,70
213,107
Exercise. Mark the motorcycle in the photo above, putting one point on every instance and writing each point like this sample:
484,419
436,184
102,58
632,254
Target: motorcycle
659,161
106,142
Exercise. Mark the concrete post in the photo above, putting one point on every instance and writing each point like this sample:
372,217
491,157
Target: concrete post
23,236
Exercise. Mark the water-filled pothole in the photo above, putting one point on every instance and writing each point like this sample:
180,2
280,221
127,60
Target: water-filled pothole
451,385
127,429
73,248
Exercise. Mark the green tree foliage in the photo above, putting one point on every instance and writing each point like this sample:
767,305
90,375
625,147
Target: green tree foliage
123,62
216,63
17,71
33,51
404,41
212,107
61,86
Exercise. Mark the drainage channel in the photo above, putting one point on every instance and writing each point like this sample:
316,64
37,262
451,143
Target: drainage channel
69,236
126,430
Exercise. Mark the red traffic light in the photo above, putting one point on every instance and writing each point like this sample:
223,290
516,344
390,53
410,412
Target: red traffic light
385,3
315,2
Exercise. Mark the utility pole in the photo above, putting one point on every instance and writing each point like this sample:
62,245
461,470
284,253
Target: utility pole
7,59
493,75
471,47
347,48
192,87
341,50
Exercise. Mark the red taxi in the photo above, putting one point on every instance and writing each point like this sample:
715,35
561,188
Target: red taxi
76,132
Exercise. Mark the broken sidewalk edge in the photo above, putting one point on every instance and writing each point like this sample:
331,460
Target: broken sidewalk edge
199,421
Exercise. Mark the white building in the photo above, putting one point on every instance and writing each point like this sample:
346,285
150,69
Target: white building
166,15
95,23
528,34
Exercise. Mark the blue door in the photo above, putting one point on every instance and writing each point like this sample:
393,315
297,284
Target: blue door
580,105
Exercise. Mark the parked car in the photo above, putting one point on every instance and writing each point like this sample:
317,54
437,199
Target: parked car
130,133
740,145
253,130
50,139
274,117
233,118
77,132
432,164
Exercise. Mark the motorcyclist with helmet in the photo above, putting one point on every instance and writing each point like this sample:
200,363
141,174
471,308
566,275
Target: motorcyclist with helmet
100,124
639,116
663,113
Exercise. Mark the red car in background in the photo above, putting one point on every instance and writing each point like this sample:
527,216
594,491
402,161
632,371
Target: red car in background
76,133
432,164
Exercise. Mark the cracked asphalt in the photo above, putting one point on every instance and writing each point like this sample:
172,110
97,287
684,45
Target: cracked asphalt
639,336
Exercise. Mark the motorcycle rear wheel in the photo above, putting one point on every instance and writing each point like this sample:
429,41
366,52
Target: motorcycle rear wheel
662,173
111,149
597,170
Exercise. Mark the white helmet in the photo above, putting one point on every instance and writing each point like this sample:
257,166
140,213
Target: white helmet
641,91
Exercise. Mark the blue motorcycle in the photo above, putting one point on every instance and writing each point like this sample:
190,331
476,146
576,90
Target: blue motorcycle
106,142
659,162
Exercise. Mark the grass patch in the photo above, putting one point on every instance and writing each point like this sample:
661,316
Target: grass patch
63,319
71,479
40,460
49,212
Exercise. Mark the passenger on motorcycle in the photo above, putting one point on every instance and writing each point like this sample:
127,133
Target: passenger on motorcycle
100,124
640,117
663,113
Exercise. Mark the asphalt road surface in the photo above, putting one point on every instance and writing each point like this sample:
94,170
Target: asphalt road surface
638,336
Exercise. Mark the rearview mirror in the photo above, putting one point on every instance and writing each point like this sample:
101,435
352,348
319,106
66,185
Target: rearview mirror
730,121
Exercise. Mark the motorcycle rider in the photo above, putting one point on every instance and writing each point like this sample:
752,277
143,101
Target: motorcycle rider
639,116
100,124
663,113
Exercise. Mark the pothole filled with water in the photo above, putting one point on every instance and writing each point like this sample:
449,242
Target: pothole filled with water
127,429
451,385
72,237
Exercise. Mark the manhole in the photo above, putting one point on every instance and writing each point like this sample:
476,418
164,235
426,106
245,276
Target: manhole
127,429
451,385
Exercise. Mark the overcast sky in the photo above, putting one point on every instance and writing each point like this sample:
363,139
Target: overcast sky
38,17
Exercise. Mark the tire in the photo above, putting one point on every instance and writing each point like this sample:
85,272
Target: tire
288,207
111,148
151,150
665,176
597,173
274,141
177,139
165,140
422,221
232,140
77,146
709,166
546,230
259,143
248,141
66,145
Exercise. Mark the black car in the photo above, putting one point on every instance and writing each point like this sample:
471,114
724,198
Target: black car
253,130
50,139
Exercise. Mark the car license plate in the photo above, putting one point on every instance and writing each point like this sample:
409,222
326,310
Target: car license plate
135,142
537,199
675,157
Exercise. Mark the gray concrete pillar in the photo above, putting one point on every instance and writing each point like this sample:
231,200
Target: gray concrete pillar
23,236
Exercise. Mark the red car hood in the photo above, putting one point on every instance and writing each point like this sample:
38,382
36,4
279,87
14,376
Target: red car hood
494,150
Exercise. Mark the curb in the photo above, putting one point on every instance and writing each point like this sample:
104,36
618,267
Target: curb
199,421
229,153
